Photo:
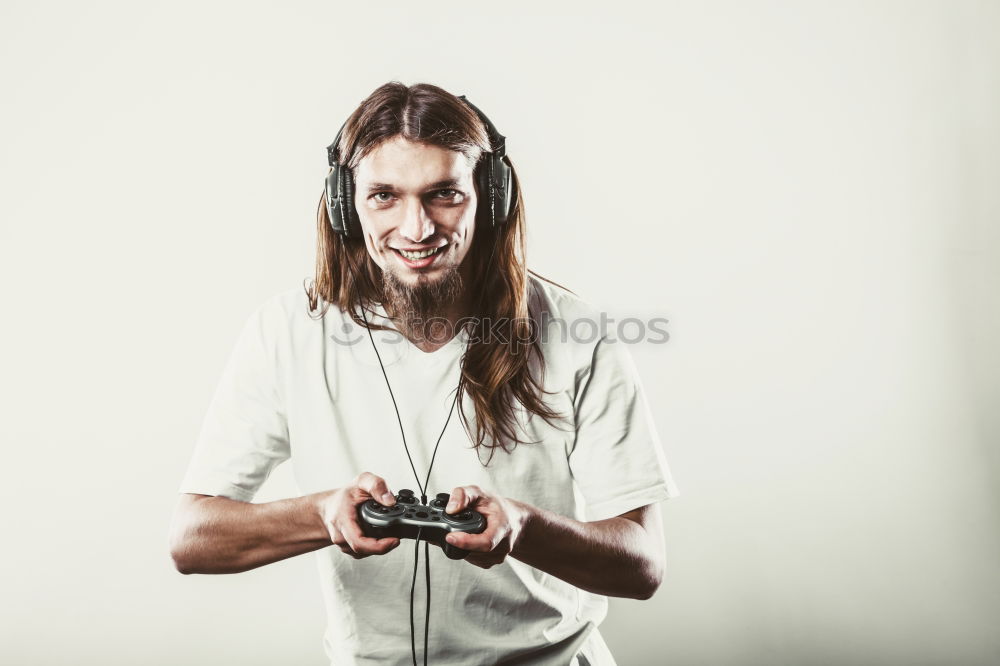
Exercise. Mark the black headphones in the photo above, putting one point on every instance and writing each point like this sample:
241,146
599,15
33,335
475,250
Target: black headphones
493,176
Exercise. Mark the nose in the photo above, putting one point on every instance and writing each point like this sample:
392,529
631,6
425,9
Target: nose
417,224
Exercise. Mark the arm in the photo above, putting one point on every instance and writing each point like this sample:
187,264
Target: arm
221,535
619,557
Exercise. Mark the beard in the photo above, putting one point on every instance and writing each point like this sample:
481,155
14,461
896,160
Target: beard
412,305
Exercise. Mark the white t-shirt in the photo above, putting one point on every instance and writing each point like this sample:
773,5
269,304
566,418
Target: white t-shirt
310,389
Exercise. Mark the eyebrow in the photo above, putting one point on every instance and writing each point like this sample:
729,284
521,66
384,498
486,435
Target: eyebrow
450,182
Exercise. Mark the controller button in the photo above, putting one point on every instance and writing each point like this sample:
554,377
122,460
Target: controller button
421,514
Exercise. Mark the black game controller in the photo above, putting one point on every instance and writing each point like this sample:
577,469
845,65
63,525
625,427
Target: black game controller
408,516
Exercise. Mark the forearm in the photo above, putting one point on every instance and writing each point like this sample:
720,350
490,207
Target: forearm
215,535
614,557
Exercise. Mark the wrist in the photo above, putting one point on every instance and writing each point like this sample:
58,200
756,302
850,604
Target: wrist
321,506
525,518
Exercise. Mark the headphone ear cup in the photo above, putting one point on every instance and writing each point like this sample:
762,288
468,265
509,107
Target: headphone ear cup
502,191
333,200
487,199
352,222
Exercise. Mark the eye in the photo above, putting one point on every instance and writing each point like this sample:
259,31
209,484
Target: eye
447,194
380,194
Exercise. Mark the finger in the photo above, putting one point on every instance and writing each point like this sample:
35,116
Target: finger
482,543
383,545
482,560
367,546
376,487
462,497
386,545
363,545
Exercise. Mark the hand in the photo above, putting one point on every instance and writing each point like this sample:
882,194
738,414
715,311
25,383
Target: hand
339,511
505,518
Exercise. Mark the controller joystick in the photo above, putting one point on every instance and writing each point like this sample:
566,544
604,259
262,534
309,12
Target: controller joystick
406,496
408,517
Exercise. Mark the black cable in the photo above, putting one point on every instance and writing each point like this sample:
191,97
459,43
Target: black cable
427,479
394,405
427,611
413,585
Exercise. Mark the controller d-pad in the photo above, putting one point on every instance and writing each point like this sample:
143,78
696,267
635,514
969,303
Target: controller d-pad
381,509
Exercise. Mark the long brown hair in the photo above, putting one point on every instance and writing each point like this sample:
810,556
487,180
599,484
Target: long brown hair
496,372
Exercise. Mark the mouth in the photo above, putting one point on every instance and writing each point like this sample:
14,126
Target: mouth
419,258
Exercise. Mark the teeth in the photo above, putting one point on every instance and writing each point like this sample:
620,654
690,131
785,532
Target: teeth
413,256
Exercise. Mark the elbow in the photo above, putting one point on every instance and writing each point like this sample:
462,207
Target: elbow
181,541
653,566
649,579
646,590
181,562
183,568
180,553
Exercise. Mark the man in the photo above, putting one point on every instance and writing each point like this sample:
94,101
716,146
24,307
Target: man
571,497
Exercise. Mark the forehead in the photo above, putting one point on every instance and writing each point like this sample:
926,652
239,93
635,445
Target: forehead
406,163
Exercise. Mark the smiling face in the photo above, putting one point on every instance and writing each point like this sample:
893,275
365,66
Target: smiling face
417,206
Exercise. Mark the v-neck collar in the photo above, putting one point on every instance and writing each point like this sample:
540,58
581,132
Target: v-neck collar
393,346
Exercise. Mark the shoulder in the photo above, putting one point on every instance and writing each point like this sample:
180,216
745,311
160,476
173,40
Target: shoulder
289,312
288,300
554,301
569,326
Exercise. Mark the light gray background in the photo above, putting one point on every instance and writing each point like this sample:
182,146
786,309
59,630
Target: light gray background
807,191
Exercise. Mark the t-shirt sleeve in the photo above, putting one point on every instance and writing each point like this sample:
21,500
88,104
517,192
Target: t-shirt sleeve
617,460
245,433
